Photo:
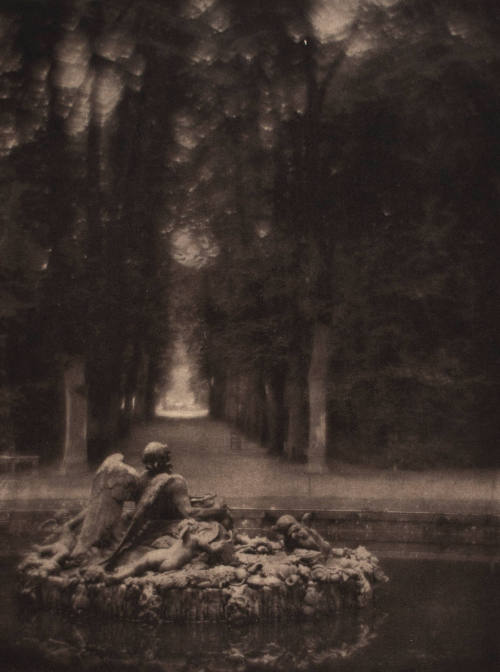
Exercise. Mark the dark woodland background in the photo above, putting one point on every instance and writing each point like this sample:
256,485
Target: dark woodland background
306,196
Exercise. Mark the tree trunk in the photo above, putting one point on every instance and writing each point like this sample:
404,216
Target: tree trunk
274,391
254,408
131,385
317,379
139,410
216,396
150,391
297,408
232,400
75,435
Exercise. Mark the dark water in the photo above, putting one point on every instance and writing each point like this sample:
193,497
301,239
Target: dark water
432,615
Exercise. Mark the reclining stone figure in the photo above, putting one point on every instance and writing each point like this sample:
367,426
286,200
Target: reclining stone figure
194,538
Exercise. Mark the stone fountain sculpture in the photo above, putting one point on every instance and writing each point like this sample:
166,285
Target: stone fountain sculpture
176,557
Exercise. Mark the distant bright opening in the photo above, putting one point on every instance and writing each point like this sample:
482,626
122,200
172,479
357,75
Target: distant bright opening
184,397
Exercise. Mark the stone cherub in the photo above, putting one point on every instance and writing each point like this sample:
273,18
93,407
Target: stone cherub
101,534
301,535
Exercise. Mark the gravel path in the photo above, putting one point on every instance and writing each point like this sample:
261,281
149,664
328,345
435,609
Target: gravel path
246,475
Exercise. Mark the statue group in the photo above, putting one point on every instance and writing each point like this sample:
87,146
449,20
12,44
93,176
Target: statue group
143,548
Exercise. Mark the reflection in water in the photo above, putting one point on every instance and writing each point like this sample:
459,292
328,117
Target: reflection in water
91,643
433,616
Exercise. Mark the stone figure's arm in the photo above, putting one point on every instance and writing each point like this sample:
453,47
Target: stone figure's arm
323,545
76,520
209,513
180,497
178,491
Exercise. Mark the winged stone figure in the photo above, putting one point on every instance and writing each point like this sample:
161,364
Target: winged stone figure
97,525
114,483
164,497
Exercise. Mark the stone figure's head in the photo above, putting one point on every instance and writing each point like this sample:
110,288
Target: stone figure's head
156,458
298,535
284,523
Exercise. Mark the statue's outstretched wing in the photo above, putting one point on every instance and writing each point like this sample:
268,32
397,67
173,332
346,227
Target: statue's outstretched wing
114,483
165,496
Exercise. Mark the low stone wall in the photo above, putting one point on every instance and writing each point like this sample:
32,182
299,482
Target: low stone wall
368,527
21,519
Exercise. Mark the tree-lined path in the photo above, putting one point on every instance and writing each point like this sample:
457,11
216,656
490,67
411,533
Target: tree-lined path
304,194
249,476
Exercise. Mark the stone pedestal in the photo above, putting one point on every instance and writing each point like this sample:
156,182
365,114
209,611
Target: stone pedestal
262,587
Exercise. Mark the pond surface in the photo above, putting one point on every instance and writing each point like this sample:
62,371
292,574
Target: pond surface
432,615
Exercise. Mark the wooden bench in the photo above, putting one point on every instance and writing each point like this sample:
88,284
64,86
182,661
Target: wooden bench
14,463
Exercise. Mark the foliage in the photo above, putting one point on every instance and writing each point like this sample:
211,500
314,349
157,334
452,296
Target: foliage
362,167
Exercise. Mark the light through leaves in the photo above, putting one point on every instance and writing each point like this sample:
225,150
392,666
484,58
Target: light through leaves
193,249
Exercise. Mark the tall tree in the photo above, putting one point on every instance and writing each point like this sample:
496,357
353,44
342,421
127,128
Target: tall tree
92,88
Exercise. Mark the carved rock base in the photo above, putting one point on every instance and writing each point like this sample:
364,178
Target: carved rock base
268,587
